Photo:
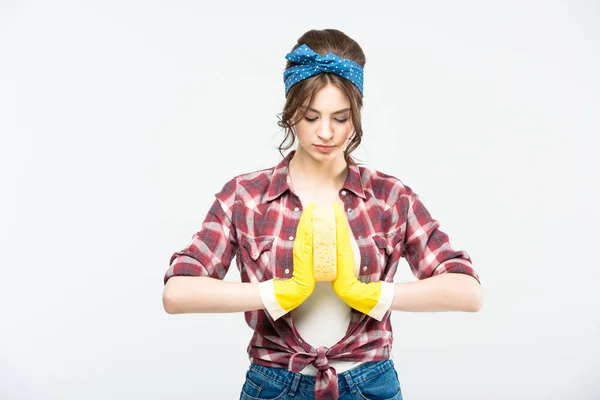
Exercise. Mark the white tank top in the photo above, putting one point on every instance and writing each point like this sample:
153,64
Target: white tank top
323,319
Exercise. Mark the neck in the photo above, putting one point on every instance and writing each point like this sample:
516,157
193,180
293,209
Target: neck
313,173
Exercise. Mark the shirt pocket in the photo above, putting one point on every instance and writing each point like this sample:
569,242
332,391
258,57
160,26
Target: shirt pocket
382,250
255,252
389,246
390,241
372,258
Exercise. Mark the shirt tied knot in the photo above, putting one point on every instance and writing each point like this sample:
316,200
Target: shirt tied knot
321,362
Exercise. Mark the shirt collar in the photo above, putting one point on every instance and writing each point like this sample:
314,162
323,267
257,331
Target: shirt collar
281,181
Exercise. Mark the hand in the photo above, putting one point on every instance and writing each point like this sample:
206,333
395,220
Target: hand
358,295
290,293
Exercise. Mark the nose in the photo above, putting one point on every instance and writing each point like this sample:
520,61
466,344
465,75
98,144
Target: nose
324,131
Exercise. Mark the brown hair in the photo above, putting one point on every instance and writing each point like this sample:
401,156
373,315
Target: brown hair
301,94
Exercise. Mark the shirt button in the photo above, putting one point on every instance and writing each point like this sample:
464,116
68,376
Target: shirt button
360,237
287,271
365,268
297,209
349,209
291,238
343,192
255,254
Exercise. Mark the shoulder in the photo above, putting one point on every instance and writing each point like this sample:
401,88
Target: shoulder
384,188
250,184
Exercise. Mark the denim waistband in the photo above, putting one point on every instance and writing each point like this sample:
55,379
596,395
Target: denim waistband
346,379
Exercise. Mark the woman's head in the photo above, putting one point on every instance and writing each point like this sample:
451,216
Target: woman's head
308,115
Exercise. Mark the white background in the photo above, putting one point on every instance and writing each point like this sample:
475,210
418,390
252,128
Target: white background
119,122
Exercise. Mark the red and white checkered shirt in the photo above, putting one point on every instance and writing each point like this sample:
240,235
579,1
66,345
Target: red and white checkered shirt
254,218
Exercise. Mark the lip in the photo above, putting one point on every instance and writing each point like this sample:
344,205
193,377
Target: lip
324,149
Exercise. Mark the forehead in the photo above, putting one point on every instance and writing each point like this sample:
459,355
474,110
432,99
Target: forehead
330,99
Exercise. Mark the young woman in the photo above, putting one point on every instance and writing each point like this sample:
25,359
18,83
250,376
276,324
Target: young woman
323,340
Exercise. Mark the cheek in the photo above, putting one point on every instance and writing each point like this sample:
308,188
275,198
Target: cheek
301,133
349,134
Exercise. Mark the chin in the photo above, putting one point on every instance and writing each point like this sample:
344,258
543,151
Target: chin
331,155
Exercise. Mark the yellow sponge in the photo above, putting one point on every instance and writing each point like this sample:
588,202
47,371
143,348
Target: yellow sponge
324,244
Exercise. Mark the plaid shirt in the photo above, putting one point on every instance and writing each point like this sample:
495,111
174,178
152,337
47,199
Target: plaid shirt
254,218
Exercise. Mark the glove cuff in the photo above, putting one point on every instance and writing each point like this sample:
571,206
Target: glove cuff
385,301
267,295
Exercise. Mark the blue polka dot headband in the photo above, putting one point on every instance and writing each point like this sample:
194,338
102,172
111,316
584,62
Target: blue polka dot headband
311,64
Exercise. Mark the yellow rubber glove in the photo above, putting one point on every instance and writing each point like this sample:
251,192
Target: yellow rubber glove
290,293
358,295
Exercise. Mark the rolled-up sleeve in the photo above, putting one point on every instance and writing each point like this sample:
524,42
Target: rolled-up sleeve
212,248
427,249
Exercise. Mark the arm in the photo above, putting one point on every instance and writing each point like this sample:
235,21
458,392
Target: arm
201,294
444,292
447,280
198,294
194,279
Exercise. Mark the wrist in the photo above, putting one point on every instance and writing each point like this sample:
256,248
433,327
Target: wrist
384,302
268,296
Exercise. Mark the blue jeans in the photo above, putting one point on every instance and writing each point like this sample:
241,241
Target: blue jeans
374,380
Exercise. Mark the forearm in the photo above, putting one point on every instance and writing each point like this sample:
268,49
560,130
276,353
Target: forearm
194,294
444,292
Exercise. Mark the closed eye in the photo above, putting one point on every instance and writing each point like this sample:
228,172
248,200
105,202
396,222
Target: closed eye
342,120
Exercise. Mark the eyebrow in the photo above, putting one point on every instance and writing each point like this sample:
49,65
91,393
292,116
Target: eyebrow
337,112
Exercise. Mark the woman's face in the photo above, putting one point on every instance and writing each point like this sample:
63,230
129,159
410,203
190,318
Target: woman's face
324,131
